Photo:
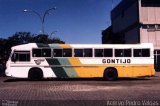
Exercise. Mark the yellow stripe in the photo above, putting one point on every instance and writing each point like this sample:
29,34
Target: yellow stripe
65,46
129,70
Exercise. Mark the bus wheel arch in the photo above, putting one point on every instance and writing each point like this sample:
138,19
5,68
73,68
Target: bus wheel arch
110,74
35,73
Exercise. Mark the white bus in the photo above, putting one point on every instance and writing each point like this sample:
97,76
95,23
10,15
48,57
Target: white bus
108,61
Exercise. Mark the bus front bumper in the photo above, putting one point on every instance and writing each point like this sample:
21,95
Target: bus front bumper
7,74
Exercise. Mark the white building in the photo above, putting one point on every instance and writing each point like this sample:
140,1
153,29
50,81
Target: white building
137,21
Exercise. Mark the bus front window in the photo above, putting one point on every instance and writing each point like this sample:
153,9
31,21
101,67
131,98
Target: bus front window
21,56
14,57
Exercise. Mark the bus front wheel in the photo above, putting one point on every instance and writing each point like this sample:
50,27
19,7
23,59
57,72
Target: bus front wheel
35,74
110,74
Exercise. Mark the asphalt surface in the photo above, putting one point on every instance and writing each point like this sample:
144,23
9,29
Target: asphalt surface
82,92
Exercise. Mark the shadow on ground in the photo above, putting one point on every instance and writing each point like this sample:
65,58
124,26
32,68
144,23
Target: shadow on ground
73,79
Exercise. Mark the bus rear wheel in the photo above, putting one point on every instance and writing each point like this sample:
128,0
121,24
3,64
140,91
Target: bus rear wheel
110,74
35,74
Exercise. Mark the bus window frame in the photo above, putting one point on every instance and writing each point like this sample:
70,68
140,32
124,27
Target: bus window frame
90,52
67,56
99,49
41,52
36,56
112,50
46,56
53,53
141,56
83,52
123,52
17,53
75,53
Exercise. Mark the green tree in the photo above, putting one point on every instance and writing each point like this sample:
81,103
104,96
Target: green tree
23,38
43,38
2,49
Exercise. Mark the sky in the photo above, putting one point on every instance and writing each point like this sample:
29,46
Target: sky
73,21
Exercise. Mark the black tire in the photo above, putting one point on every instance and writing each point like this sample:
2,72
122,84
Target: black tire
35,74
110,74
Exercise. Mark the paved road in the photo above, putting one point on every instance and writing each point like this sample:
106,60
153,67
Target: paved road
131,92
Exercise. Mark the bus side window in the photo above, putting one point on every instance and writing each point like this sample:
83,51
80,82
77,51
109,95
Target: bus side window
141,52
146,52
24,57
127,52
119,53
99,52
108,52
37,52
67,52
88,52
123,52
57,52
137,52
78,52
46,52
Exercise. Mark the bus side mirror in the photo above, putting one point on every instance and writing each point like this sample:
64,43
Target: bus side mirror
14,57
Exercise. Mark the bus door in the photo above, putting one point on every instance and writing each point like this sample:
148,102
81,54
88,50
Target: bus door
157,60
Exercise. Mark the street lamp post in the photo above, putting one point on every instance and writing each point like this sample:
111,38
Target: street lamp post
41,17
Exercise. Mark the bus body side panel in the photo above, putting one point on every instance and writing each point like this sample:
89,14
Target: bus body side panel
135,71
22,72
92,69
18,72
76,68
86,70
